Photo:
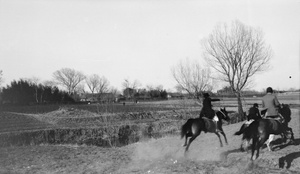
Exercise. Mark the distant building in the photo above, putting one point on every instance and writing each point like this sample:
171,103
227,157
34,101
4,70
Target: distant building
177,95
98,97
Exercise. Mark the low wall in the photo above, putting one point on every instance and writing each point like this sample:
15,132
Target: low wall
130,128
110,136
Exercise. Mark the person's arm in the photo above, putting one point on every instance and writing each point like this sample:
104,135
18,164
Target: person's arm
258,113
276,102
216,99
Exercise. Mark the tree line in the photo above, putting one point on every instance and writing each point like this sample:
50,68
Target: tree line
24,92
235,52
73,85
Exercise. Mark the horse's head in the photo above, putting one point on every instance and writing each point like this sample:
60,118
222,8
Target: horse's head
223,114
285,111
284,106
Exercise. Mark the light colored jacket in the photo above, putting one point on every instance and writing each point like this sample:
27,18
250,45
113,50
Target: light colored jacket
270,102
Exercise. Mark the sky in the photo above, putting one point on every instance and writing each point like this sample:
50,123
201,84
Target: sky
138,39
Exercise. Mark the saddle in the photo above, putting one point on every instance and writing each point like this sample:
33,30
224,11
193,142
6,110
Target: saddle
274,123
209,124
276,117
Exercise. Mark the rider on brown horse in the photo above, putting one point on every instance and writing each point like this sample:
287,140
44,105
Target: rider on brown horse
207,110
254,113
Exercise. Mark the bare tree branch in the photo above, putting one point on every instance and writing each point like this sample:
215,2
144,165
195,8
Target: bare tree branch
191,77
93,82
68,78
103,85
237,53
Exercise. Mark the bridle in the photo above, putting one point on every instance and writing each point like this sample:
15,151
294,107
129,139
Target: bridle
223,113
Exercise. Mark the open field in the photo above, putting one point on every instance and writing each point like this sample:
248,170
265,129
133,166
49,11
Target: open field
149,154
143,106
163,155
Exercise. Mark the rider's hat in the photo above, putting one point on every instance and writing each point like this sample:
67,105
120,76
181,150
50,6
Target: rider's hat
205,95
269,90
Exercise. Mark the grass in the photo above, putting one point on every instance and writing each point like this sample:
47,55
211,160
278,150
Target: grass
11,122
158,117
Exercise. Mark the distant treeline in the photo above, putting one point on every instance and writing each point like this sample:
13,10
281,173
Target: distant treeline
23,92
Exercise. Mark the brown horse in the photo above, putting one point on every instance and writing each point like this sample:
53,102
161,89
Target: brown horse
260,130
285,111
193,127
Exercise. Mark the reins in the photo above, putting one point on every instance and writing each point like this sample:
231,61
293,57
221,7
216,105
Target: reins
222,113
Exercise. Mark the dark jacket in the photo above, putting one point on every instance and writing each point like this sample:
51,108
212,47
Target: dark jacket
254,114
207,110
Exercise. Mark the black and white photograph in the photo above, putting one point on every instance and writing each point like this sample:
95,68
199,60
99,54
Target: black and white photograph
149,86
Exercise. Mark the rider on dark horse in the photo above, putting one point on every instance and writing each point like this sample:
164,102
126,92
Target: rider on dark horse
207,110
254,113
271,103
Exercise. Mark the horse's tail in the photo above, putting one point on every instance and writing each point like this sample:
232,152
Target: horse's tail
185,128
242,130
249,131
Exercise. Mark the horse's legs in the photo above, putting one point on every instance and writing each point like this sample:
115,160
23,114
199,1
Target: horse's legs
283,137
271,138
292,134
260,143
195,131
185,141
190,141
222,132
253,147
221,144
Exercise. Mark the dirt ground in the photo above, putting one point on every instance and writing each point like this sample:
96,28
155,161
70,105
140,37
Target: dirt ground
164,155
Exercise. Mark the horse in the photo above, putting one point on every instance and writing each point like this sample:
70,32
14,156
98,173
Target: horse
259,132
193,127
285,111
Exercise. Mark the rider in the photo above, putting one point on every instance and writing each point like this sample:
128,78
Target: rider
254,113
271,103
207,110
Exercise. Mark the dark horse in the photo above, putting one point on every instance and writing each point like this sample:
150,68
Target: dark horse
260,130
193,127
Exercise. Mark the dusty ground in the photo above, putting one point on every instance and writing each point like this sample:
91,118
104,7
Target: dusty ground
164,155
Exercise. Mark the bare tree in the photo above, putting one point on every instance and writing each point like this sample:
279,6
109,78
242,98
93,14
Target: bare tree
128,84
49,83
1,78
68,78
237,53
80,88
130,87
35,81
103,85
114,91
191,77
93,81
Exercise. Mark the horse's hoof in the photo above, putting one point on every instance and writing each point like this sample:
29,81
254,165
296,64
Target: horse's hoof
292,142
252,159
270,149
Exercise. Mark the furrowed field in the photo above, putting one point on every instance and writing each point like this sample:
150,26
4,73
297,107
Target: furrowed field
131,138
